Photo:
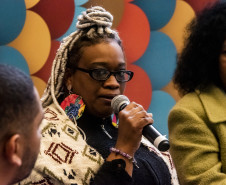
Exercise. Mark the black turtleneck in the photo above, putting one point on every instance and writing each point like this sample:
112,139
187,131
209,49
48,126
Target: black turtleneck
152,169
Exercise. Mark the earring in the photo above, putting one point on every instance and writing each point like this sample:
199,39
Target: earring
73,106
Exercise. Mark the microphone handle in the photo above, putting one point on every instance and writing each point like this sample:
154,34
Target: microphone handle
156,138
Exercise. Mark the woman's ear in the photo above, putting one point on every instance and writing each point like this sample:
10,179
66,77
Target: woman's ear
13,150
68,79
69,84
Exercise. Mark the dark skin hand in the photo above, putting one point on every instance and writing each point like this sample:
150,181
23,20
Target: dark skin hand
132,119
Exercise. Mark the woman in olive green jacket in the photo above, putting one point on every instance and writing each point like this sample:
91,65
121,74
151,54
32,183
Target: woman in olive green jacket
197,123
197,126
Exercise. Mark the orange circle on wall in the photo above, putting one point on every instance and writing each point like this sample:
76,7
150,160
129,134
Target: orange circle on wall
134,30
139,88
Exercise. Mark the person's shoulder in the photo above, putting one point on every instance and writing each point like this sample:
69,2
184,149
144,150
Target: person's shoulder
200,101
190,104
213,100
213,93
190,100
53,115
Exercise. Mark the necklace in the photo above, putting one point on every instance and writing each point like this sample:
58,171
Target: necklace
114,123
105,131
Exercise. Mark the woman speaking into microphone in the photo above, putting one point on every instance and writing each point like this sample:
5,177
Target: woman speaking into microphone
82,142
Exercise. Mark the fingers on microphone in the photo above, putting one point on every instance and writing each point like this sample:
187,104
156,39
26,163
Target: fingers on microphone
145,117
131,109
150,115
136,107
140,113
148,121
137,115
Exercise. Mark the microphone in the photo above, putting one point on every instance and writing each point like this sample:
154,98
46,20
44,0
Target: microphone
158,140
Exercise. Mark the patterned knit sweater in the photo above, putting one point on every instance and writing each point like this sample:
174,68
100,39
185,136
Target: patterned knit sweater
66,157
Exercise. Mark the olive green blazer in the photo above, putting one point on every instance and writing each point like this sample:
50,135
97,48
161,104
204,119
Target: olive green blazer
197,134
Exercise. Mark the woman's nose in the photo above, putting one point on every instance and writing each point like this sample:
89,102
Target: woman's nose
111,81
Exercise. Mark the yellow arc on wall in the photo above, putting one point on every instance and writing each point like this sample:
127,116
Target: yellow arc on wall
39,84
34,41
175,28
30,4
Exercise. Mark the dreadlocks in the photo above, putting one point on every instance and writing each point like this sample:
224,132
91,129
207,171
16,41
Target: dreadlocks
93,26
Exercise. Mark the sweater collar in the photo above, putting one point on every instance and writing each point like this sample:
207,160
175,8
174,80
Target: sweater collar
214,102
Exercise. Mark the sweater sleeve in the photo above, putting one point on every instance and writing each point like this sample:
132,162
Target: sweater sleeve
112,173
194,147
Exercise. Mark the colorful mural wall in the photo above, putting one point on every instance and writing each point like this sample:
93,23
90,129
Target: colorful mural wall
152,32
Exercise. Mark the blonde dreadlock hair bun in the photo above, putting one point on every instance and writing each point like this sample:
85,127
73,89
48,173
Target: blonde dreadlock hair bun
93,23
94,16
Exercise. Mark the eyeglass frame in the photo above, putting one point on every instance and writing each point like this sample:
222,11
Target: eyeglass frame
90,71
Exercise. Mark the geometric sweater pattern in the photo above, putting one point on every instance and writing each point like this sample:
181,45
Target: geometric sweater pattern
66,158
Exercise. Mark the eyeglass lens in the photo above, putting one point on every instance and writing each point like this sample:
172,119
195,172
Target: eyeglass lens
103,74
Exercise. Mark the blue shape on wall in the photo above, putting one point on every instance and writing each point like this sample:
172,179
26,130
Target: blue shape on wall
158,12
11,56
72,27
12,19
160,107
159,60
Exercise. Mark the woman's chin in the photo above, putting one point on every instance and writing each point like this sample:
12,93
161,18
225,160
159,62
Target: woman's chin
102,113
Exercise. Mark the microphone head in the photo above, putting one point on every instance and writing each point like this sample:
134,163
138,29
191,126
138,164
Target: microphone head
119,102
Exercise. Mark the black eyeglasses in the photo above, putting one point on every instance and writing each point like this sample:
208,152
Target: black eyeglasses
100,74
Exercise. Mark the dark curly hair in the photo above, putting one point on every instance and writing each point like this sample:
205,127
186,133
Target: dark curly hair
198,64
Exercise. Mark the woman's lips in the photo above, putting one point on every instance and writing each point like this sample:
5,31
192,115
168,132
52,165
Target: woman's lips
107,98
